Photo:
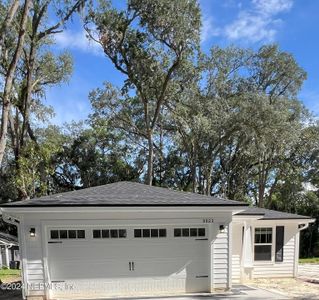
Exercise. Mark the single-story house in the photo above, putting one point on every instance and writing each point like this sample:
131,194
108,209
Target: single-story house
9,251
130,239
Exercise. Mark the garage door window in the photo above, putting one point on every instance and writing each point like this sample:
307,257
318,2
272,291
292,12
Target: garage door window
109,233
67,234
189,232
150,233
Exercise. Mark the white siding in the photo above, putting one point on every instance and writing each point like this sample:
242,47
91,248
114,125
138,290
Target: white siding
35,249
280,269
34,271
220,260
236,254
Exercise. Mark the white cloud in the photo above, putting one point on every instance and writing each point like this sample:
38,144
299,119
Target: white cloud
272,7
208,29
78,41
252,28
257,22
260,23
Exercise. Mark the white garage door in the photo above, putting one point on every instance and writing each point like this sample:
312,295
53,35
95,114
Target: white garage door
111,261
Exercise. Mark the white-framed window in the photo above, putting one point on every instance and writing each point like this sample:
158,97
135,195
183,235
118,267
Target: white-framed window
263,244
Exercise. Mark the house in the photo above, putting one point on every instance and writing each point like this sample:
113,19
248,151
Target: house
9,251
130,239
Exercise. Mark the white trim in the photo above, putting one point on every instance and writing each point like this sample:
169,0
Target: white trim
22,245
101,209
296,260
261,262
210,235
230,254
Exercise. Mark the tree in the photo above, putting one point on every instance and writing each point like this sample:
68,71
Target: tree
9,76
149,42
34,34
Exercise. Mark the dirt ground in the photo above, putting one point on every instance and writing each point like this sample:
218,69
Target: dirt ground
292,287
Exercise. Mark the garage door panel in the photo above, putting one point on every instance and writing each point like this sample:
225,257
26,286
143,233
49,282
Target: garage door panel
101,267
73,270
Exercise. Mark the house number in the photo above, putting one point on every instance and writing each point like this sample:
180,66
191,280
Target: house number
208,220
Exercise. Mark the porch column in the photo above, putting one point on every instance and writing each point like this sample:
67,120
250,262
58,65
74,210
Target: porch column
1,262
7,256
247,252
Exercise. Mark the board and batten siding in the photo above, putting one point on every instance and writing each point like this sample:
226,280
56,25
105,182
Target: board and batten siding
220,259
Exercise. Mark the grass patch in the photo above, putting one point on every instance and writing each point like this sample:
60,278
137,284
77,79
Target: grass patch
313,260
7,275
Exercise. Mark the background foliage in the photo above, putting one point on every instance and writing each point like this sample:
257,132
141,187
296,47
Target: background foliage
227,123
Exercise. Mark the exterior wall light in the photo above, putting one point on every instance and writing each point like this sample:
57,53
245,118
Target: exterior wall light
222,228
32,232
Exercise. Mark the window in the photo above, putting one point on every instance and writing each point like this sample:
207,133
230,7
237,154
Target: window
63,234
67,234
189,232
263,244
150,233
80,234
72,234
54,234
96,233
109,233
279,256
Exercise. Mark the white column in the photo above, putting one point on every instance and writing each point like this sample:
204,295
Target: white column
1,262
7,256
247,252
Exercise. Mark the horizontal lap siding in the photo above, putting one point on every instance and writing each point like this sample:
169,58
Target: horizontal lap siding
236,252
220,260
278,269
34,265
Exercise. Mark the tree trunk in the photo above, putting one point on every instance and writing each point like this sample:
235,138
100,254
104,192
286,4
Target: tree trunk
193,169
28,94
261,192
8,20
9,81
149,179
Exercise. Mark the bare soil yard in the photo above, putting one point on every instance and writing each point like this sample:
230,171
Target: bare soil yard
292,287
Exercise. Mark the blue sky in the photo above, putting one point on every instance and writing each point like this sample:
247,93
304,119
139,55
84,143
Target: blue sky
293,24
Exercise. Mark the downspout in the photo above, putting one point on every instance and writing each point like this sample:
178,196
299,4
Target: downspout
297,241
303,226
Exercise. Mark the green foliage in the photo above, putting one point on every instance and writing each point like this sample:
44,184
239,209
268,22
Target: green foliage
150,43
228,122
312,260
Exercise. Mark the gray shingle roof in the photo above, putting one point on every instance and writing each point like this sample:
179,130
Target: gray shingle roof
125,194
268,214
